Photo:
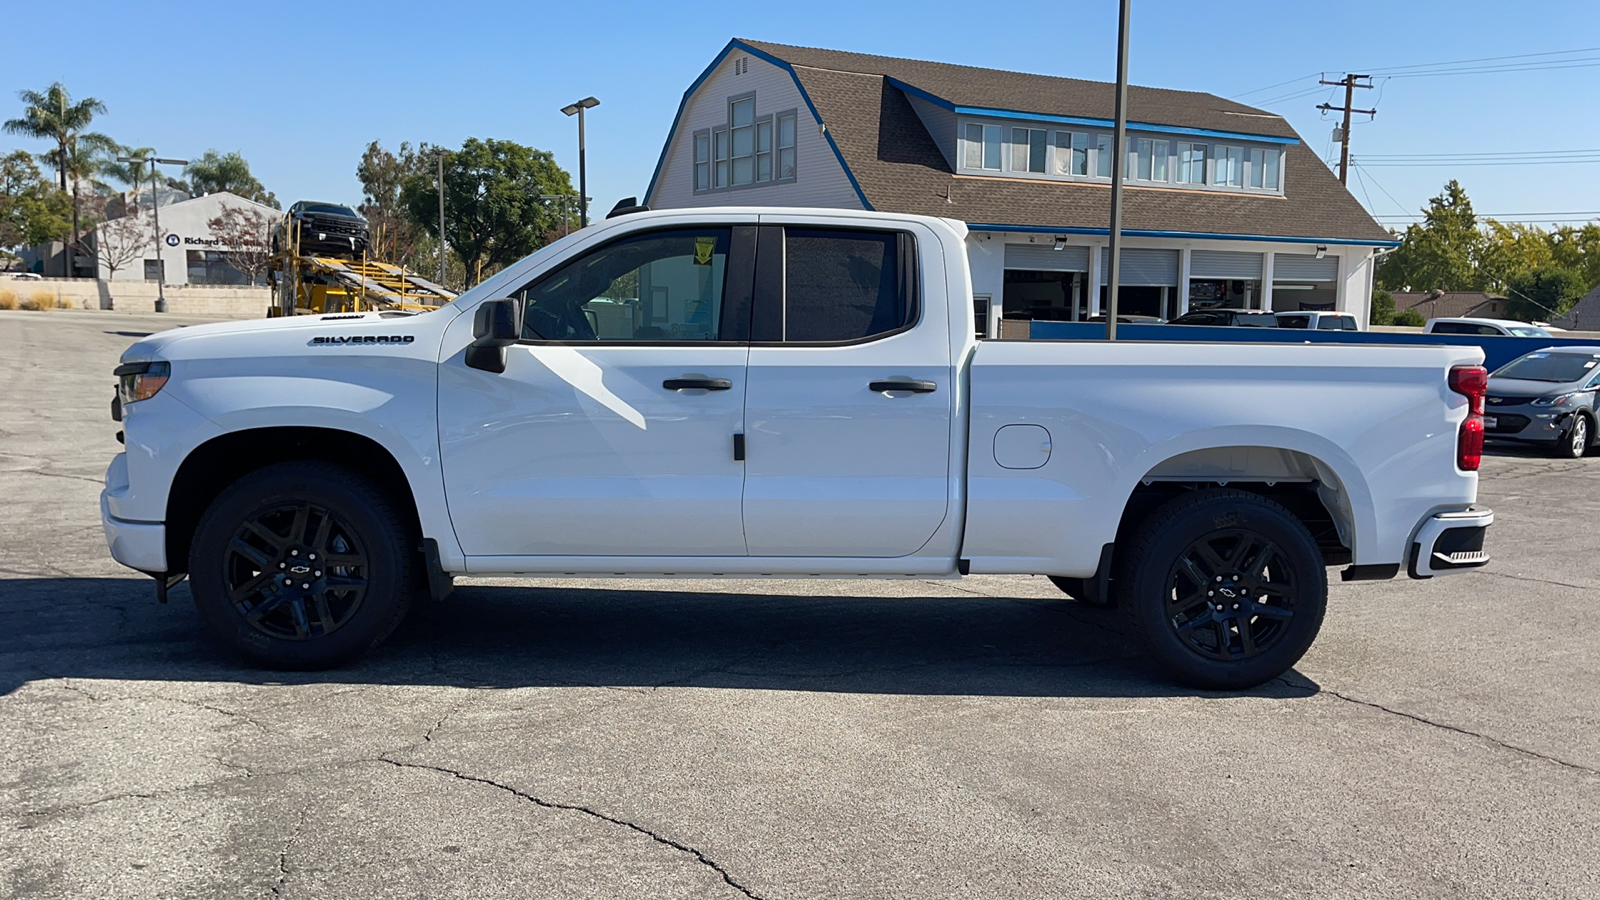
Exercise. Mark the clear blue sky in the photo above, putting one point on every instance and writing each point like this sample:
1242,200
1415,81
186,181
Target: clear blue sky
300,88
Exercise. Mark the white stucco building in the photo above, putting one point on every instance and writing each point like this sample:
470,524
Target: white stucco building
1224,206
190,252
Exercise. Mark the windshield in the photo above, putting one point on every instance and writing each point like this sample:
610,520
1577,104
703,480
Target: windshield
1556,368
1527,331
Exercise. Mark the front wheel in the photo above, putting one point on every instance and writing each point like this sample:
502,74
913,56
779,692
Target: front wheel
302,565
1224,589
1576,441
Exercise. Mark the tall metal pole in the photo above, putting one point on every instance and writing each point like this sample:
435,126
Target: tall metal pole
583,180
441,218
161,262
1119,159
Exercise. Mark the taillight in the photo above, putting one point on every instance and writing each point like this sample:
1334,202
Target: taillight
1471,382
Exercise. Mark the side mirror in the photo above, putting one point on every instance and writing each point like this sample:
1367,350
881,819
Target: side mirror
496,326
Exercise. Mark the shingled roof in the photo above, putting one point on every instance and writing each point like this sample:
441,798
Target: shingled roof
899,168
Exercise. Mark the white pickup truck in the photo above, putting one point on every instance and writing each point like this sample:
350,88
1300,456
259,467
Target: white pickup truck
787,393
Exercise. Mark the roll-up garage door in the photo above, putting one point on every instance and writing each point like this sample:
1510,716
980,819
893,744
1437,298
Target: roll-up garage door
1047,258
1225,264
1142,268
1304,267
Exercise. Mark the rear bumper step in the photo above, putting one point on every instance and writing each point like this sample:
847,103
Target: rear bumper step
1450,542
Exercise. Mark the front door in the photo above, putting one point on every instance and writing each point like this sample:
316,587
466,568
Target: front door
849,398
611,432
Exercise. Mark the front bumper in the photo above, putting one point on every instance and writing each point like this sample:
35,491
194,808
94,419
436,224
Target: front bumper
137,545
1450,542
1525,422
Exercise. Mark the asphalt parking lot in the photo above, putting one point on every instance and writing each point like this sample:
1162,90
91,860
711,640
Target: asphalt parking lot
776,739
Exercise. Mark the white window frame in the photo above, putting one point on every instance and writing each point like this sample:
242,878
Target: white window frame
720,163
986,132
1076,142
1026,149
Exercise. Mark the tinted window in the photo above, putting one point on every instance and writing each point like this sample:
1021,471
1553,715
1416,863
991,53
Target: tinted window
659,286
1256,320
843,285
1347,324
1195,319
1294,321
1331,323
1456,328
329,209
1558,368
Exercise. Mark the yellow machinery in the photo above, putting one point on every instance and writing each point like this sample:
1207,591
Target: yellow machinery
323,284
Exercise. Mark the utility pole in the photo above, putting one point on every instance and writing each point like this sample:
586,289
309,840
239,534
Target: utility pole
1349,82
155,213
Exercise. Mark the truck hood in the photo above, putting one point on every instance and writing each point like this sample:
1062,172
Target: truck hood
242,331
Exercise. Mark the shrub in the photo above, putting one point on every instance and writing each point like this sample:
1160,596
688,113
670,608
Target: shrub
40,300
8,300
65,303
1409,317
1382,308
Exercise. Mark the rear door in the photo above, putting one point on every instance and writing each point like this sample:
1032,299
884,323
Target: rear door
849,396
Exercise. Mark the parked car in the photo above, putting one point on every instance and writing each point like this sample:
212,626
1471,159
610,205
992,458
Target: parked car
1468,325
27,276
325,229
1129,319
1318,320
1547,397
814,403
1238,318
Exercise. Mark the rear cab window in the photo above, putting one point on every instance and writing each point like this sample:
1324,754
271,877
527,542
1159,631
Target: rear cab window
833,285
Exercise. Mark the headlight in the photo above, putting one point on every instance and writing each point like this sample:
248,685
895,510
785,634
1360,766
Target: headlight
142,380
1553,401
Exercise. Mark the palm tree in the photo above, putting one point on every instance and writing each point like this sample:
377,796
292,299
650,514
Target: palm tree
53,115
130,173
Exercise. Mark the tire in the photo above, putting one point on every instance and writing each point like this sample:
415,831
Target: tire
1234,542
1575,443
303,515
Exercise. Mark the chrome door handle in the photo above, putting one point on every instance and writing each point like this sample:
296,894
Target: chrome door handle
914,387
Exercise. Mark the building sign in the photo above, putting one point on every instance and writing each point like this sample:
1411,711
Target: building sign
172,240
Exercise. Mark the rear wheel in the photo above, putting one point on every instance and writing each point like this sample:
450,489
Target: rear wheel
1224,589
302,565
1575,442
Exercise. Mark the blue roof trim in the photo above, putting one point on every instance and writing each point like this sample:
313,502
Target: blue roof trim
662,160
769,58
1207,235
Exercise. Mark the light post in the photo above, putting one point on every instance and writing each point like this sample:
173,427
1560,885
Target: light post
583,182
1119,159
155,212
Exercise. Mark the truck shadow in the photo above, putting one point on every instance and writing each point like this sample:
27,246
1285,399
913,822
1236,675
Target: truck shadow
925,642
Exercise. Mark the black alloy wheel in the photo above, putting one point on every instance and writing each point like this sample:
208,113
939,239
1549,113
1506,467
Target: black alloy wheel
295,572
1231,595
304,565
1224,589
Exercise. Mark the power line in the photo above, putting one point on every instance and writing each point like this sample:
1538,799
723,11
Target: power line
1279,84
1500,70
1380,70
1451,163
1349,82
1384,189
1484,153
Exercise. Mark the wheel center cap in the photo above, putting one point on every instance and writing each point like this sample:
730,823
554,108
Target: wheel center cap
1227,592
301,569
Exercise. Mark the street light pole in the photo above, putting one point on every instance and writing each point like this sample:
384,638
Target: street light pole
441,218
1119,160
583,179
155,212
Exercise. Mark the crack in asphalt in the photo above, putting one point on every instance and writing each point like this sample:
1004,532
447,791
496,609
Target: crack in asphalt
570,807
1466,732
283,853
1580,587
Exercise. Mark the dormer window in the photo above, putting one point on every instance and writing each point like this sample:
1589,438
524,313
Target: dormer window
749,151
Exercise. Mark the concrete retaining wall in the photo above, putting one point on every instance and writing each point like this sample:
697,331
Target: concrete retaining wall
211,301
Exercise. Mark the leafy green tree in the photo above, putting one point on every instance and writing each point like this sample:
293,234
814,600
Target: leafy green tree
1440,253
1544,294
1578,248
214,172
396,236
53,115
1409,317
32,210
1382,308
493,214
